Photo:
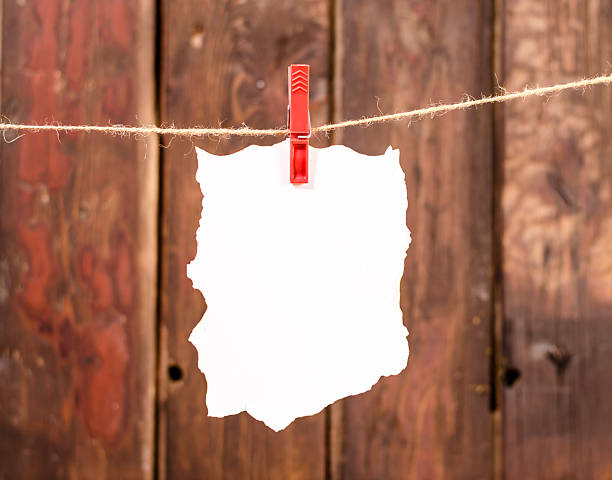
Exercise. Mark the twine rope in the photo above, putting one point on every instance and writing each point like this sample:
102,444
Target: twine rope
253,132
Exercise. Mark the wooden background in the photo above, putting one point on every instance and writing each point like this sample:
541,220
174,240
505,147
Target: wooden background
507,290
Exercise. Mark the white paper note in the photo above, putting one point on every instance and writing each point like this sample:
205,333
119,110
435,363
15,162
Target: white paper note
301,281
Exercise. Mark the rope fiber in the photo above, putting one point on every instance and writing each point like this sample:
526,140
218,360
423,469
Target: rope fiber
253,132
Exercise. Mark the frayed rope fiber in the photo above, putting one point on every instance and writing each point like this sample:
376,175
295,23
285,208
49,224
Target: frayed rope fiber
252,132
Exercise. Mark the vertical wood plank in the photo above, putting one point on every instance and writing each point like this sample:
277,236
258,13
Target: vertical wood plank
225,63
557,261
497,307
77,243
433,420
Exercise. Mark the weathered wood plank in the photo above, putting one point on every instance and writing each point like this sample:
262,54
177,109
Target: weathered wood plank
77,243
433,420
557,260
224,63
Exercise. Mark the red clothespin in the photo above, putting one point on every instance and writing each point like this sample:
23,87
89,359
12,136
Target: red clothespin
298,122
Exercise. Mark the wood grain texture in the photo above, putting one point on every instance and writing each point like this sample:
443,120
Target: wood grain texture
433,420
77,244
557,265
224,63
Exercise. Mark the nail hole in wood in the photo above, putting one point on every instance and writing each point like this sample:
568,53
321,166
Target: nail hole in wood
511,376
175,373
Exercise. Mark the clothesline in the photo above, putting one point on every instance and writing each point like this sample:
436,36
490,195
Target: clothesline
253,132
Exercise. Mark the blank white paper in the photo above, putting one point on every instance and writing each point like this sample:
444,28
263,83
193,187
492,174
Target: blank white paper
301,282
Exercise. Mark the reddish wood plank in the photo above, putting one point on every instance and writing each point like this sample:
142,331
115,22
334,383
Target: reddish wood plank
433,420
557,261
224,63
77,244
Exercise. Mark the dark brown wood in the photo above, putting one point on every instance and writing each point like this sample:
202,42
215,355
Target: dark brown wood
557,238
77,243
224,63
433,420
